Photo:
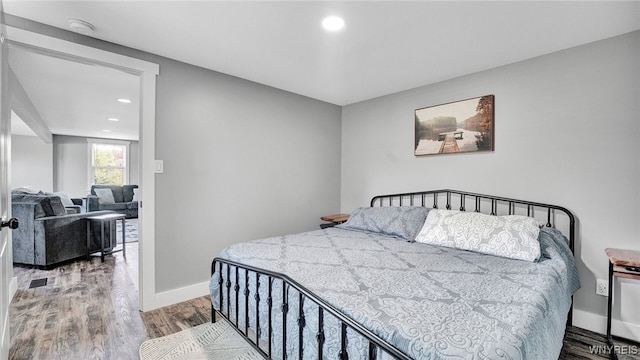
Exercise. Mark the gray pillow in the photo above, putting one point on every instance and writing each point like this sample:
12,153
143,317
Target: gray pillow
403,222
105,196
66,200
57,208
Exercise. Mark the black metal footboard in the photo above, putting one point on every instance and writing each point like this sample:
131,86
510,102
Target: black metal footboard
232,276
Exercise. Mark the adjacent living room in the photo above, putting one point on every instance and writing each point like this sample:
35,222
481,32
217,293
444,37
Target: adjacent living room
75,130
71,162
54,219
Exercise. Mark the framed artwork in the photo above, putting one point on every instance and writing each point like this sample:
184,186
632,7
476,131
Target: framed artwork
457,127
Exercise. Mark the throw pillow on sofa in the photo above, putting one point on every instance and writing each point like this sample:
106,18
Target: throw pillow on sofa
105,196
66,200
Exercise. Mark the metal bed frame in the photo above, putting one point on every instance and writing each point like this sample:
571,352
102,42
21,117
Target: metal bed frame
230,289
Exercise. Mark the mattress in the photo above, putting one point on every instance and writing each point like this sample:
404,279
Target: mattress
430,302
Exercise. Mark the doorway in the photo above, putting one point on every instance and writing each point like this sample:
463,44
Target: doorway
145,75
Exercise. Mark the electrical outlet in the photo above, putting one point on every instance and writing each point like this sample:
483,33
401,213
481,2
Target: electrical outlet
602,287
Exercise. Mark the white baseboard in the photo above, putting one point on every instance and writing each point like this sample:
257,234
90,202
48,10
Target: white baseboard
598,323
581,319
182,294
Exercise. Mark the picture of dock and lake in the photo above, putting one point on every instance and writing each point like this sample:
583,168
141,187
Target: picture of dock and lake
458,127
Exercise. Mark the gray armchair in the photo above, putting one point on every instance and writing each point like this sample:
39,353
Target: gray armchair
47,235
123,200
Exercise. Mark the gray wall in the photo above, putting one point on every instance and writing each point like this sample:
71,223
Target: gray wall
31,163
242,161
71,161
71,164
567,128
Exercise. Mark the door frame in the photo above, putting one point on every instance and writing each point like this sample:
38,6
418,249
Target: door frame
147,72
8,283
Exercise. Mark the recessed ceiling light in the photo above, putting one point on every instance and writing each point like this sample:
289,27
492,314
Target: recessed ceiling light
125,101
333,23
81,26
105,130
114,119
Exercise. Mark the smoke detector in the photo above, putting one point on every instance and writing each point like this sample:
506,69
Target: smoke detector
81,27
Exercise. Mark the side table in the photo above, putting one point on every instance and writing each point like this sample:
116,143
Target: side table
624,264
106,219
334,220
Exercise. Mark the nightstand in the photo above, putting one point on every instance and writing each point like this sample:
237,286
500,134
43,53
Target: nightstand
334,220
624,264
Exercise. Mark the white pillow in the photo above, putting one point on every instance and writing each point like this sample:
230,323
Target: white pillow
135,195
26,189
105,196
64,198
511,236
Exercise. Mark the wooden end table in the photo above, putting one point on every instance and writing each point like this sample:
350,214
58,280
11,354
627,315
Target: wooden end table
625,264
334,220
104,220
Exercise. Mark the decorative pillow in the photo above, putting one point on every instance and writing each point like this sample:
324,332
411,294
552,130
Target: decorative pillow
511,236
56,205
135,195
105,196
403,222
66,200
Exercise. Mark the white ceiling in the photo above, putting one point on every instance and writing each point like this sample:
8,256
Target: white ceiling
386,47
77,99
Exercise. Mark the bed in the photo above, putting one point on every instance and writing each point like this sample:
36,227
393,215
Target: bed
396,282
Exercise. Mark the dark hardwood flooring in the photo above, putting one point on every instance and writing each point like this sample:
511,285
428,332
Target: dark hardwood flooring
88,310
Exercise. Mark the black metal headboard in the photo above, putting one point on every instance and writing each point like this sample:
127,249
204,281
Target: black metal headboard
494,205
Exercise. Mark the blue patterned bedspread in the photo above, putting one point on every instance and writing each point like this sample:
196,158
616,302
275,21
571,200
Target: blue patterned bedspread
430,302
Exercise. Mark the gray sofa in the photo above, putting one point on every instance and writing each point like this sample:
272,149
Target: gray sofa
122,196
47,235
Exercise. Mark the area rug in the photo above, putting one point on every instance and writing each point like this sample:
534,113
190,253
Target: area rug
130,230
207,341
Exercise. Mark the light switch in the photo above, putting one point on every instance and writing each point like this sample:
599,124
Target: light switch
159,166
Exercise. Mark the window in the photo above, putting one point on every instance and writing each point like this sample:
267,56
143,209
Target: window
108,162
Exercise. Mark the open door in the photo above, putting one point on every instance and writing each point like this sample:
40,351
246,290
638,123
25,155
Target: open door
6,256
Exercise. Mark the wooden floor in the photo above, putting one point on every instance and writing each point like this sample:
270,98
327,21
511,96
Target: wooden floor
88,310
